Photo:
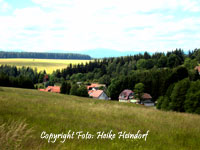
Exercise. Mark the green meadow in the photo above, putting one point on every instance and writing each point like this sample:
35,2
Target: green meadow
49,65
25,114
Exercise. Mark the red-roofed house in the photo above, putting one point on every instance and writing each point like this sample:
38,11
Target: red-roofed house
99,94
198,69
54,89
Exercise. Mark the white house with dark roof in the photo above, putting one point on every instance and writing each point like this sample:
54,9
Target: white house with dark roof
127,96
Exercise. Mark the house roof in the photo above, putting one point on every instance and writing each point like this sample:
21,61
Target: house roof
54,89
48,89
125,94
146,96
197,68
90,92
93,85
96,93
41,89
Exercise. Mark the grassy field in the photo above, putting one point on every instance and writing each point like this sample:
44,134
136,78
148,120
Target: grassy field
27,113
41,64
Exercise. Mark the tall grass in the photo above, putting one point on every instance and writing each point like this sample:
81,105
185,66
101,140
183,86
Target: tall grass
15,135
57,113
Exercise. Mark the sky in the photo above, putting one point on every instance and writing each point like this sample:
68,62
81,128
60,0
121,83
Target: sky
80,25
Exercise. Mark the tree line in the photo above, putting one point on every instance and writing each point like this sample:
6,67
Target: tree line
125,65
43,55
24,77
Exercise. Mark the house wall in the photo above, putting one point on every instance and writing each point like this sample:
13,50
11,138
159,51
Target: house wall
149,104
122,100
103,96
134,101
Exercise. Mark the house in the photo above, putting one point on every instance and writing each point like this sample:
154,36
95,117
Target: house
98,94
146,96
198,69
127,96
95,86
54,89
147,100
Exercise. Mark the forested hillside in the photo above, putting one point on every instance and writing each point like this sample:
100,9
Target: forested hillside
162,75
170,78
43,55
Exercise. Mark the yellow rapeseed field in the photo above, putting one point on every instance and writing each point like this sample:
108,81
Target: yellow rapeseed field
41,64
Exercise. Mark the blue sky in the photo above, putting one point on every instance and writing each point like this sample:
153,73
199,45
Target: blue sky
77,25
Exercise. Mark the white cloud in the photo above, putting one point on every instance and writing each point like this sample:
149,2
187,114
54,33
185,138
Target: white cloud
122,6
90,24
4,6
53,3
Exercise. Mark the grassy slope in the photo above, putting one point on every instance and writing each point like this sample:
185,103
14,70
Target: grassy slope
59,113
42,64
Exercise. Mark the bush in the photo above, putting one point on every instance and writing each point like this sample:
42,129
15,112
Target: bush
79,91
159,102
74,89
82,91
65,87
165,103
178,95
192,102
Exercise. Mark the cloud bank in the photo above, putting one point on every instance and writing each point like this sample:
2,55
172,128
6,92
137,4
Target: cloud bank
75,25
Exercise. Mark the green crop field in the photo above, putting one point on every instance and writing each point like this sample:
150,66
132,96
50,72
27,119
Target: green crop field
25,114
41,64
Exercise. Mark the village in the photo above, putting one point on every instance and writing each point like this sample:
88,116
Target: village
96,91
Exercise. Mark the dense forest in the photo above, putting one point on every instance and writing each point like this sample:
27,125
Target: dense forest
170,78
43,55
161,73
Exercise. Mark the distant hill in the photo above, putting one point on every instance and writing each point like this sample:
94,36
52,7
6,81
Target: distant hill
102,52
92,53
44,55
